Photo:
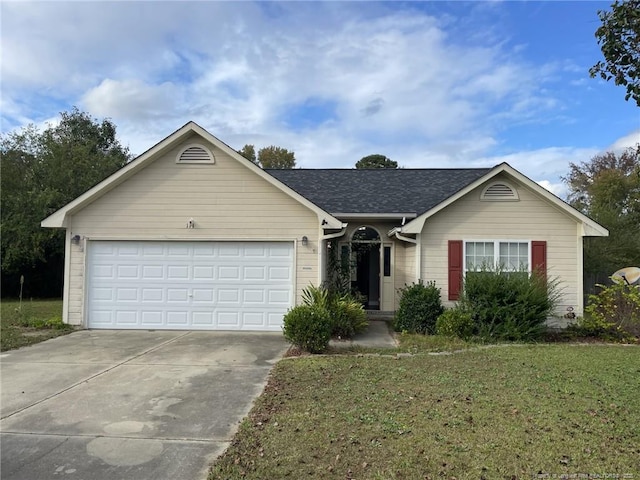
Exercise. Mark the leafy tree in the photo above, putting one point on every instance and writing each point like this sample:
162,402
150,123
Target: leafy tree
619,40
607,189
41,172
276,157
249,152
376,161
269,157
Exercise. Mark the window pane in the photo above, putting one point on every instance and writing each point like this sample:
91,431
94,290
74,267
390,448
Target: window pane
479,255
387,261
514,256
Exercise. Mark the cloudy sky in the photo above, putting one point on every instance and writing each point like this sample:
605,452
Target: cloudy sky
429,84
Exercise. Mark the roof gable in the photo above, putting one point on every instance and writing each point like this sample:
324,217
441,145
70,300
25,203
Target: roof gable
59,218
588,226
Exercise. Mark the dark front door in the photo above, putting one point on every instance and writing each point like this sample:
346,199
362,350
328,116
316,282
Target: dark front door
367,278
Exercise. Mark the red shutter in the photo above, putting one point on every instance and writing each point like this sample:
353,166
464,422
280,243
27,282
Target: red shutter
455,268
539,257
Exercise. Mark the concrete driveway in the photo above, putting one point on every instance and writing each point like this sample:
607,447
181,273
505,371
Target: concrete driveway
128,404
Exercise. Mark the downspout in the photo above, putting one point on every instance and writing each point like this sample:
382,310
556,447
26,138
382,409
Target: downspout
323,252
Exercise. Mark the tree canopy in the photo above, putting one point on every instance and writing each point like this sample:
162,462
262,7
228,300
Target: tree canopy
619,40
607,189
41,172
376,161
269,157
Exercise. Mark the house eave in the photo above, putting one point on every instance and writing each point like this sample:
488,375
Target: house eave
374,216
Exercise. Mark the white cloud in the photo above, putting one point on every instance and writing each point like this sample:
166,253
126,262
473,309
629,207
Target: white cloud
622,143
558,189
131,99
400,81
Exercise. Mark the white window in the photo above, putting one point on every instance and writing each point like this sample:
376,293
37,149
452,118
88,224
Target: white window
489,254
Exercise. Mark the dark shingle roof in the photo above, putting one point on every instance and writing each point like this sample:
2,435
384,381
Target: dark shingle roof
377,191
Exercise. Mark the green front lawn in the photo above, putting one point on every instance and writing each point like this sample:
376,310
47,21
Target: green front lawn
38,320
504,412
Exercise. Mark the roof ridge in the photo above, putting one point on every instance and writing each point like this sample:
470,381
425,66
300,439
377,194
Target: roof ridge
376,169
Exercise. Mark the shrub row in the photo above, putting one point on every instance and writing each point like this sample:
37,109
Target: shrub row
495,305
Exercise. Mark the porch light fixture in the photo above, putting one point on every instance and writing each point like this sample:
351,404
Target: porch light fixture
305,241
75,239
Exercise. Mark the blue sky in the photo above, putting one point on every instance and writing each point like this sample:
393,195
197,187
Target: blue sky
429,84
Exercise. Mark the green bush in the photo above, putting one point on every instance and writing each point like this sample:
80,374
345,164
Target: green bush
346,313
509,305
308,327
612,313
348,317
419,308
455,322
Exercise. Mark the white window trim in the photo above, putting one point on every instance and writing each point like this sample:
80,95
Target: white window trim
211,160
496,250
515,198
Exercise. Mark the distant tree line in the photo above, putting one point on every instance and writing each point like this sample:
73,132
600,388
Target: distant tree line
41,172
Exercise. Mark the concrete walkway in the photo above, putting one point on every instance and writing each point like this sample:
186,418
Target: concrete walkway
104,405
378,335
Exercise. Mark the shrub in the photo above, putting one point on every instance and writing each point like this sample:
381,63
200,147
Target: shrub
348,317
308,327
509,305
612,313
419,308
346,313
455,322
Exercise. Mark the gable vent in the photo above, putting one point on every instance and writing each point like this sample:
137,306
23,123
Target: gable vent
195,154
499,191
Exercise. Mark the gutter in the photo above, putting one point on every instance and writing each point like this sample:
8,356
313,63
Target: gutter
322,271
329,236
396,232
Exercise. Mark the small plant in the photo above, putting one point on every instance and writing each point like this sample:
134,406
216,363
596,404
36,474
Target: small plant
612,313
419,308
348,317
308,327
455,322
345,312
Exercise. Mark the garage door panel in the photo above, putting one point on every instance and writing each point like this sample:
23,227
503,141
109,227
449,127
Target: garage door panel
189,285
229,319
127,295
203,272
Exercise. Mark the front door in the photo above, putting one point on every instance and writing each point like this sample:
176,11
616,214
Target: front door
365,266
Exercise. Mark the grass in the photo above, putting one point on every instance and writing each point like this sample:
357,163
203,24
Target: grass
38,320
505,412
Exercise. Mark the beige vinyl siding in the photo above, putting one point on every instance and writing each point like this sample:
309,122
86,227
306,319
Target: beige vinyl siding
530,218
226,200
405,267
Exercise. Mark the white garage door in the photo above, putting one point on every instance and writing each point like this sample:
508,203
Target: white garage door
189,285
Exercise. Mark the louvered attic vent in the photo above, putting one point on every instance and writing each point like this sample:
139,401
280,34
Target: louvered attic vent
195,154
499,191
